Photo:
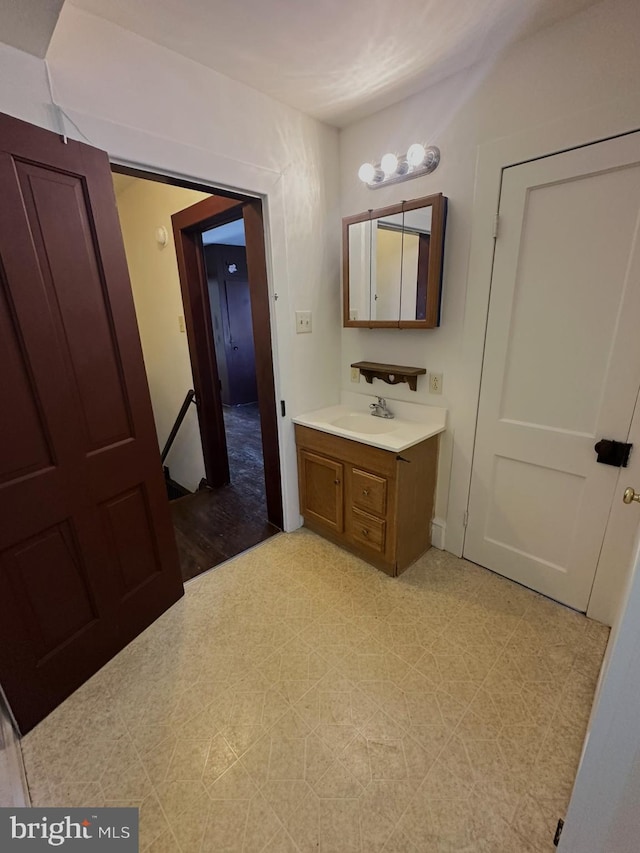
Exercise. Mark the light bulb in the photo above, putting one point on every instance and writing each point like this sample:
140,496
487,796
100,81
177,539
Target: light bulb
416,154
366,173
389,164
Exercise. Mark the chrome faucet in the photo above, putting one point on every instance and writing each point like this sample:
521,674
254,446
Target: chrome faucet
379,409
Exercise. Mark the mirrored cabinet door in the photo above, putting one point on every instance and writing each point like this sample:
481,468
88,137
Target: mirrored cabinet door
392,265
359,265
386,275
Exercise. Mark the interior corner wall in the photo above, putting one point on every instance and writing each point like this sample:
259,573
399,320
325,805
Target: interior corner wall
144,206
23,88
152,108
536,93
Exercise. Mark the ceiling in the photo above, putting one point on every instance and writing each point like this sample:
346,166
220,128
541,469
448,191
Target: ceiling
335,60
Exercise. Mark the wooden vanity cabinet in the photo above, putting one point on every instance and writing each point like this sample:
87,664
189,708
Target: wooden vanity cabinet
377,503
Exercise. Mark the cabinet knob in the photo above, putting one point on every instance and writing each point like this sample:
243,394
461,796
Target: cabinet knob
365,532
337,482
365,492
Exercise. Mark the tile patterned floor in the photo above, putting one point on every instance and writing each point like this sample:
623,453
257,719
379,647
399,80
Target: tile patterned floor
298,700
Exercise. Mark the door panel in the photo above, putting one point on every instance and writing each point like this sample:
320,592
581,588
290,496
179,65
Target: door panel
87,553
24,432
58,219
561,368
53,621
321,490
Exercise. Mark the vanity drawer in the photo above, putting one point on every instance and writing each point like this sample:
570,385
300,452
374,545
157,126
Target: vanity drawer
369,492
367,530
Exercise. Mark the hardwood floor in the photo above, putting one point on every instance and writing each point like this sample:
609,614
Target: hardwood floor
213,525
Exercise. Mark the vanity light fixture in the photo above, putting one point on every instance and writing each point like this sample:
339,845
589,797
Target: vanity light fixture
369,174
389,164
419,160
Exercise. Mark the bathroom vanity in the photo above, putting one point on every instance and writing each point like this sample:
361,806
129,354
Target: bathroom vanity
368,484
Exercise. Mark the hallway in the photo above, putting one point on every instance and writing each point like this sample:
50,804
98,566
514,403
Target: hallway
213,525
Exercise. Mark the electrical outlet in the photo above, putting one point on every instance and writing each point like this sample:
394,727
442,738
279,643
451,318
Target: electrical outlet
303,322
435,383
181,323
355,374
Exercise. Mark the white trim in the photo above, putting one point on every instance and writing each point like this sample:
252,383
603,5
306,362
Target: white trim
128,146
14,791
611,119
438,531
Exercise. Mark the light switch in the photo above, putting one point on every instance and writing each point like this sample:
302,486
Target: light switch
303,322
181,326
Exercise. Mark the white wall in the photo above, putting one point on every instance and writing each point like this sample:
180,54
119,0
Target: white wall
565,86
23,88
603,815
150,107
143,206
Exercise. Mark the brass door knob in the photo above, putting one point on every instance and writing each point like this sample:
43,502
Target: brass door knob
630,495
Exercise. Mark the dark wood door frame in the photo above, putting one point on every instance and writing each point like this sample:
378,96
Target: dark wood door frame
188,226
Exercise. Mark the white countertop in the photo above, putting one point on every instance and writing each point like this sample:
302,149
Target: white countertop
412,423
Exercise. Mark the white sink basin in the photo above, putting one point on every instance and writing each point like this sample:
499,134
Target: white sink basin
367,424
412,423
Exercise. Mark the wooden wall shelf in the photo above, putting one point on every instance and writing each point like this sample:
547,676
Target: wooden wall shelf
392,374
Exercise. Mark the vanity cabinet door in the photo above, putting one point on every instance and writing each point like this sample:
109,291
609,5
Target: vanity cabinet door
321,490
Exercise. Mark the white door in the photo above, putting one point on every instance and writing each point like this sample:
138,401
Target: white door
617,548
561,367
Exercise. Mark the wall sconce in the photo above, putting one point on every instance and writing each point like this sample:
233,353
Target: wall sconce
392,169
162,236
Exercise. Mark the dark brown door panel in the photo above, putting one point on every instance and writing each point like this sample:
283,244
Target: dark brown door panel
87,550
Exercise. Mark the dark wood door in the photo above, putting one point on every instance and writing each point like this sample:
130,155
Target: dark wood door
241,355
241,358
87,551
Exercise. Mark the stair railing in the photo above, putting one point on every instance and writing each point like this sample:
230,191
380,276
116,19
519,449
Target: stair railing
190,398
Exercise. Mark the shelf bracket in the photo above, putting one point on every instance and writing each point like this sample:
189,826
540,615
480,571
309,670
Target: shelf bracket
392,374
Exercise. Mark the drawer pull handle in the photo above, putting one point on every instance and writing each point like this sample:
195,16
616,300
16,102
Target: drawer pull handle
365,532
337,482
365,492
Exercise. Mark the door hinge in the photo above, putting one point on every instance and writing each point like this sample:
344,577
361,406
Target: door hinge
465,518
556,837
496,225
283,409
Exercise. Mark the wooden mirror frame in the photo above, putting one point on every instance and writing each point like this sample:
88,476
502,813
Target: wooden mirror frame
438,204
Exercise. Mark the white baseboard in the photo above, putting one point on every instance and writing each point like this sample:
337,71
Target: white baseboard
438,529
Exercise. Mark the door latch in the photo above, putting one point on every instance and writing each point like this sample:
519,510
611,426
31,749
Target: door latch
614,453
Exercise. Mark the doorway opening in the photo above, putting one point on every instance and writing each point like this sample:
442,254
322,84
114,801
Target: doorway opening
196,261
